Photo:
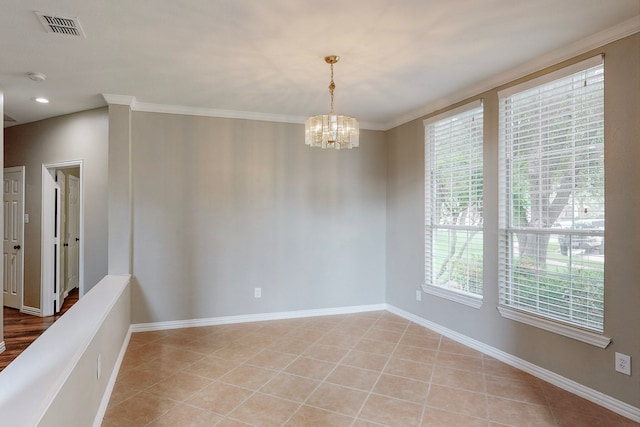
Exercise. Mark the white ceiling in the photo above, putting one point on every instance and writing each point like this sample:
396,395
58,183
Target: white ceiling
252,58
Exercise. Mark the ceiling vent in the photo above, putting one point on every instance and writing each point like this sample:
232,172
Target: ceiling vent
9,119
68,25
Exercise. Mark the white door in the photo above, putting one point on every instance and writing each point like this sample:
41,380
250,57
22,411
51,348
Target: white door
73,232
61,180
58,291
13,258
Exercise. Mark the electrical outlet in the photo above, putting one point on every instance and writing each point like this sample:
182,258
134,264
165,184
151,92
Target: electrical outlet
623,363
257,293
418,295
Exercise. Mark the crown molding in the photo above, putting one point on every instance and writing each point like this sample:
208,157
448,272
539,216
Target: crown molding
149,107
113,99
564,53
213,112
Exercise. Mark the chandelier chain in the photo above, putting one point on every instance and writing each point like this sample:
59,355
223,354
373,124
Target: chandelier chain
332,86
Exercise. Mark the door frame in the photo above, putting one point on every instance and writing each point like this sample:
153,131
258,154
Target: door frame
47,235
21,210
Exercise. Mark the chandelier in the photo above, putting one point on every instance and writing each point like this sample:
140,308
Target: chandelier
332,130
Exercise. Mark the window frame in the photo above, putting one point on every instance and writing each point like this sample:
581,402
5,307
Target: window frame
507,231
461,297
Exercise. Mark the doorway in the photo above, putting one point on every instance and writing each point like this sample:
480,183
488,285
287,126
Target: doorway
62,229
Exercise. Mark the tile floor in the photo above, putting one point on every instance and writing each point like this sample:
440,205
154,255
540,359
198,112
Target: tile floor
366,369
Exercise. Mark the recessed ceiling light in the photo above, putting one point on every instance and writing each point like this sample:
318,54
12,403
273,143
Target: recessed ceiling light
41,100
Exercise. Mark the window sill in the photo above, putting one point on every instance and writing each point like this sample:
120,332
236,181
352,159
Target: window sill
459,297
576,333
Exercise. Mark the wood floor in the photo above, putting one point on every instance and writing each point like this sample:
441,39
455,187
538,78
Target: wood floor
20,330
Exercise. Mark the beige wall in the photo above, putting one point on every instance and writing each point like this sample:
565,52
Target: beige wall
221,206
578,361
81,136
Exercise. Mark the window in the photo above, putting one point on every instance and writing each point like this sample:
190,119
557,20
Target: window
552,201
453,204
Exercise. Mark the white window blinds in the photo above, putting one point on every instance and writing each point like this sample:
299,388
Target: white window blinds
552,196
453,200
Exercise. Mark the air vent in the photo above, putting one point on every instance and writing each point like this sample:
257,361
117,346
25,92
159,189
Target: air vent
67,25
9,119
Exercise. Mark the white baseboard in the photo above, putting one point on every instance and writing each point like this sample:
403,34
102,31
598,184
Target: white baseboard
177,324
3,347
104,403
571,386
31,310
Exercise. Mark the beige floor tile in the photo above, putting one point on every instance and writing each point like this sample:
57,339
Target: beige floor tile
391,412
310,368
432,343
339,399
184,415
262,410
353,330
271,359
291,387
203,346
415,354
350,376
626,422
121,392
516,414
168,363
232,423
415,329
237,351
109,423
139,410
450,346
514,389
328,353
456,378
365,423
455,400
576,419
308,416
459,361
359,359
260,374
291,345
211,367
177,340
337,340
437,418
307,335
318,325
497,368
219,398
391,337
140,338
179,386
409,369
142,378
248,376
368,345
391,325
402,388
